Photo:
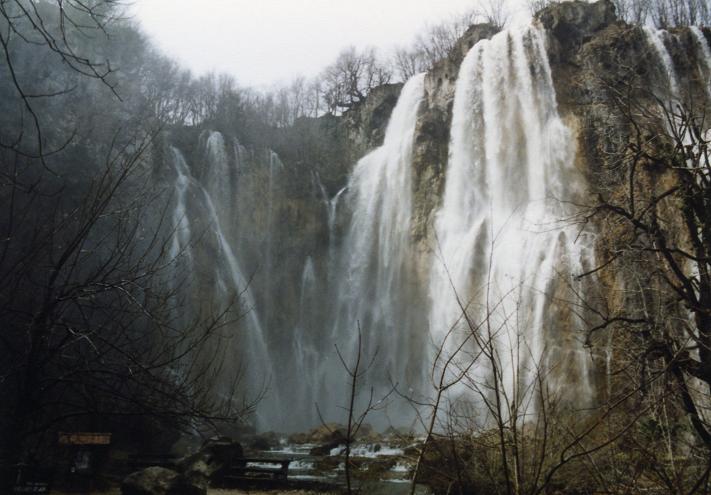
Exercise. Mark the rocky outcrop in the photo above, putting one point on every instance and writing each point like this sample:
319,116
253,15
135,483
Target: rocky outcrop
602,69
160,481
571,24
336,439
365,124
193,474
214,457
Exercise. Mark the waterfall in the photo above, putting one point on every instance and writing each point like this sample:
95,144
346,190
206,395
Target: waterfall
181,225
275,165
305,344
705,56
501,245
240,154
217,174
656,40
195,214
331,206
373,267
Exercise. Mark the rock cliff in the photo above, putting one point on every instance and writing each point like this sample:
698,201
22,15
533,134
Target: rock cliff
288,216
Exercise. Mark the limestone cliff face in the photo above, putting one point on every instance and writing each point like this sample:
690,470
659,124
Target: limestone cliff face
599,66
591,54
285,219
595,61
365,124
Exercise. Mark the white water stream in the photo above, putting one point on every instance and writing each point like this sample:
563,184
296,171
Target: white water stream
505,254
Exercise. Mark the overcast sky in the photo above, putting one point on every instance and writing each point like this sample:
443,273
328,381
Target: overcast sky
262,42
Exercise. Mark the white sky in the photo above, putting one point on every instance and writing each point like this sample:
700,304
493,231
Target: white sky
262,42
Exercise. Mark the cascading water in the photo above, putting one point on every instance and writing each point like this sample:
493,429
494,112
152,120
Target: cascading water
305,346
193,205
705,55
501,247
217,176
331,206
656,40
275,166
374,272
181,224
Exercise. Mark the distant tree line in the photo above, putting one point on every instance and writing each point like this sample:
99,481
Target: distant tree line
661,13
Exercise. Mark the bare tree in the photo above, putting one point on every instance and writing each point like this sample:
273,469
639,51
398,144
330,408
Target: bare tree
91,326
94,333
350,78
485,434
50,27
671,13
534,6
665,215
495,13
408,62
357,414
633,11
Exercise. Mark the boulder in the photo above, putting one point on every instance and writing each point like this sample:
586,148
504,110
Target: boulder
367,434
216,454
265,441
335,439
160,481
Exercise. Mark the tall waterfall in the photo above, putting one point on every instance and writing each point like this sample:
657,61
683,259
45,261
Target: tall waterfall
374,272
502,249
656,39
705,51
215,277
331,206
218,175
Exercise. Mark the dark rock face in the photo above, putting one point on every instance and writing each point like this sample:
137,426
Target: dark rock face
160,481
336,440
573,23
264,441
366,123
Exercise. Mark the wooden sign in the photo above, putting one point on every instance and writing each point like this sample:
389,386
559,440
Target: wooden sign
31,487
84,438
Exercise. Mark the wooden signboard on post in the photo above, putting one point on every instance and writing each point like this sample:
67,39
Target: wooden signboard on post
85,454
